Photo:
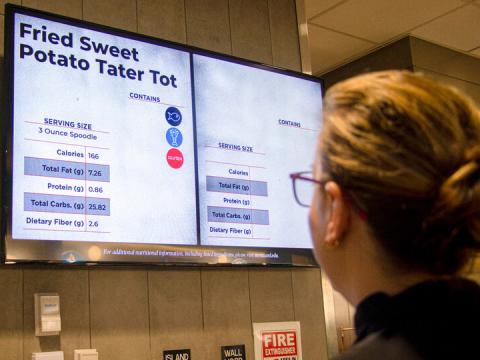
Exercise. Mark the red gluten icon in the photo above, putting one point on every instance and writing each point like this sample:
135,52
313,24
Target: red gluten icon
175,158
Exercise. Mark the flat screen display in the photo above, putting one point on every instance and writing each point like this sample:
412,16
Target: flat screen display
125,148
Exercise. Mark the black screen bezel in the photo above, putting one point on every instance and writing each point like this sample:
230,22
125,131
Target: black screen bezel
51,251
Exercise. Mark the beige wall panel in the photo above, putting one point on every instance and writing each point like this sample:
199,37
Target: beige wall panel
470,88
342,311
442,60
72,286
11,319
3,2
283,29
176,318
226,311
163,19
208,24
116,13
308,300
119,314
72,8
250,28
271,295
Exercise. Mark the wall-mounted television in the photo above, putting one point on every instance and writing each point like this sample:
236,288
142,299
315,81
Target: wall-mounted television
123,148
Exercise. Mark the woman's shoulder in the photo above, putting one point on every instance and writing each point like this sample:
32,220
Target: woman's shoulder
432,320
377,346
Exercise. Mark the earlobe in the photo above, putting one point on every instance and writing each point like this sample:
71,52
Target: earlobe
339,216
331,240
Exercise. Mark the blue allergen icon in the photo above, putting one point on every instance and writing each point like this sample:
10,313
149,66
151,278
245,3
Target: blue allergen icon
174,137
173,116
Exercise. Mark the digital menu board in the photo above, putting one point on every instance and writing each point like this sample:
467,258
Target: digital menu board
125,148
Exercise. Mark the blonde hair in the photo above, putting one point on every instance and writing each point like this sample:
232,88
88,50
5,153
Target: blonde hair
406,150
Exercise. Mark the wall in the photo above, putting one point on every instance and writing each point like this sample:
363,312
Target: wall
446,65
453,67
137,312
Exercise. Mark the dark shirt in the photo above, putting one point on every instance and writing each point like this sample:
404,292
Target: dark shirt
431,320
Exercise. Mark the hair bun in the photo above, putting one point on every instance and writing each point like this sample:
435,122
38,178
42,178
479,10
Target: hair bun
454,222
473,154
408,149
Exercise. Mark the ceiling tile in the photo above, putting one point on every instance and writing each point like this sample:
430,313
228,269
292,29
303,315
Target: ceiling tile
459,29
380,20
314,7
329,48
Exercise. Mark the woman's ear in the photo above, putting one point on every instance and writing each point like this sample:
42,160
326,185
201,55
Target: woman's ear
339,215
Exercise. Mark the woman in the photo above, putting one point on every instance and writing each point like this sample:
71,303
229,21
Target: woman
395,217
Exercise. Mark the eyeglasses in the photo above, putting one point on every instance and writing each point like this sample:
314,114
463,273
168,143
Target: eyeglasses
304,187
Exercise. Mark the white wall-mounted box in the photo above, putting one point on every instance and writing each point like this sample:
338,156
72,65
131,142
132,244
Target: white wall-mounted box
47,314
85,354
52,355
